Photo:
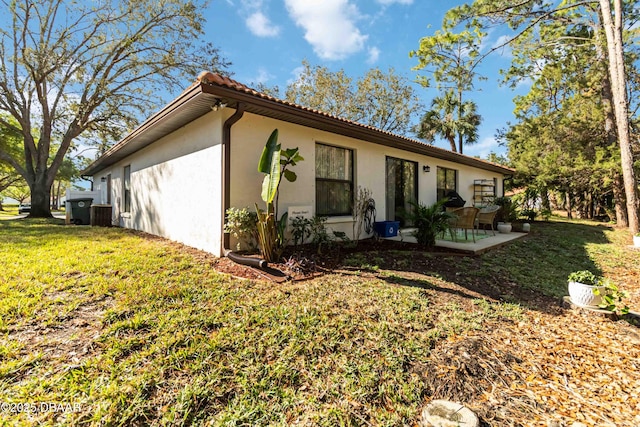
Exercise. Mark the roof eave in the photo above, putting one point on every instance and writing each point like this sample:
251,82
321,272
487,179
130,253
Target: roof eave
173,116
187,107
276,109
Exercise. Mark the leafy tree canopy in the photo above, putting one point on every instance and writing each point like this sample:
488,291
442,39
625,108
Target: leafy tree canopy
378,99
450,59
10,142
542,29
71,68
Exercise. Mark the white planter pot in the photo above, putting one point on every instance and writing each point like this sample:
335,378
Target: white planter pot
636,241
583,296
504,227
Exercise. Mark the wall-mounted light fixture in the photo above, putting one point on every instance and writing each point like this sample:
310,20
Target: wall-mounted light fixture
219,105
426,168
103,179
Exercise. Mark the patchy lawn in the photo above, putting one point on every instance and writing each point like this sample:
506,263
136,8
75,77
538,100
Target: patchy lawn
108,326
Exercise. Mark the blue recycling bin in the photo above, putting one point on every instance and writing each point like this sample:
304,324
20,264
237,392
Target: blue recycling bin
386,228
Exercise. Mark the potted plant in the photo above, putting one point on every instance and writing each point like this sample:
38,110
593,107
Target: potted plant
507,214
588,290
429,222
585,288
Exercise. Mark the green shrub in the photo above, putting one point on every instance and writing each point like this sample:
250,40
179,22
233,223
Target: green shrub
508,209
530,214
319,235
300,229
612,297
241,224
430,221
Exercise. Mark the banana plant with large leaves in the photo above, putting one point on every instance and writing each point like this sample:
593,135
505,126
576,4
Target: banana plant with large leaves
269,164
274,163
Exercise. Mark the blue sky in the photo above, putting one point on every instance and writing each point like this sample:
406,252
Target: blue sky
267,40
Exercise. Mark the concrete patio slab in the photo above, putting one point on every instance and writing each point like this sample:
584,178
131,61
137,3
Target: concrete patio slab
467,246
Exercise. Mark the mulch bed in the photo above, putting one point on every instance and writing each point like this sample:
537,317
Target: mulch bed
304,262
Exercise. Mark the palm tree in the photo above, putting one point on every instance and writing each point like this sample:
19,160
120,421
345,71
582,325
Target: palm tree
450,119
468,122
439,121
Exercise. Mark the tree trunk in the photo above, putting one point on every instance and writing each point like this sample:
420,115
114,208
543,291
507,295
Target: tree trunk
40,197
620,202
452,141
544,199
619,199
568,205
613,31
460,138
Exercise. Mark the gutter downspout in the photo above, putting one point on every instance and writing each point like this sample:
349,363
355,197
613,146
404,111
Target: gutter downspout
226,191
504,181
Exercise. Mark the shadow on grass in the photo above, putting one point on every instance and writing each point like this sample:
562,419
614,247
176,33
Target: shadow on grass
531,271
426,285
543,261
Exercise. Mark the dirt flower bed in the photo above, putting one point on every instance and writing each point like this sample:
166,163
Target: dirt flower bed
305,261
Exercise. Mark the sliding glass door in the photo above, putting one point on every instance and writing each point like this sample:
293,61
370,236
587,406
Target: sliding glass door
402,189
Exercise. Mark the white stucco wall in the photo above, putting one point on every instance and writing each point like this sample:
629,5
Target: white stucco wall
176,182
251,132
175,186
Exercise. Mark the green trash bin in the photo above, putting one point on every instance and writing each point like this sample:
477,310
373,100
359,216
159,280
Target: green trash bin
80,210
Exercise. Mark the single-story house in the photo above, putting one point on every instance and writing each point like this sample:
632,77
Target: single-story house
177,173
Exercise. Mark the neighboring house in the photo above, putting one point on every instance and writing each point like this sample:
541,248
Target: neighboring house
175,175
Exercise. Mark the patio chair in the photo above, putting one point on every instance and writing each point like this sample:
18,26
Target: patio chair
466,220
486,216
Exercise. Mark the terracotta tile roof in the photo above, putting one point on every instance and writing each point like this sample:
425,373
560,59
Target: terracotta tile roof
207,77
195,101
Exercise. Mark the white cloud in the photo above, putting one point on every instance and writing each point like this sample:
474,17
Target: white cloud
263,76
329,26
296,72
260,25
504,50
388,2
374,55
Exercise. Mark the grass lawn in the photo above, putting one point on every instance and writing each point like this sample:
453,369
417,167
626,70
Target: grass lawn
126,329
9,211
